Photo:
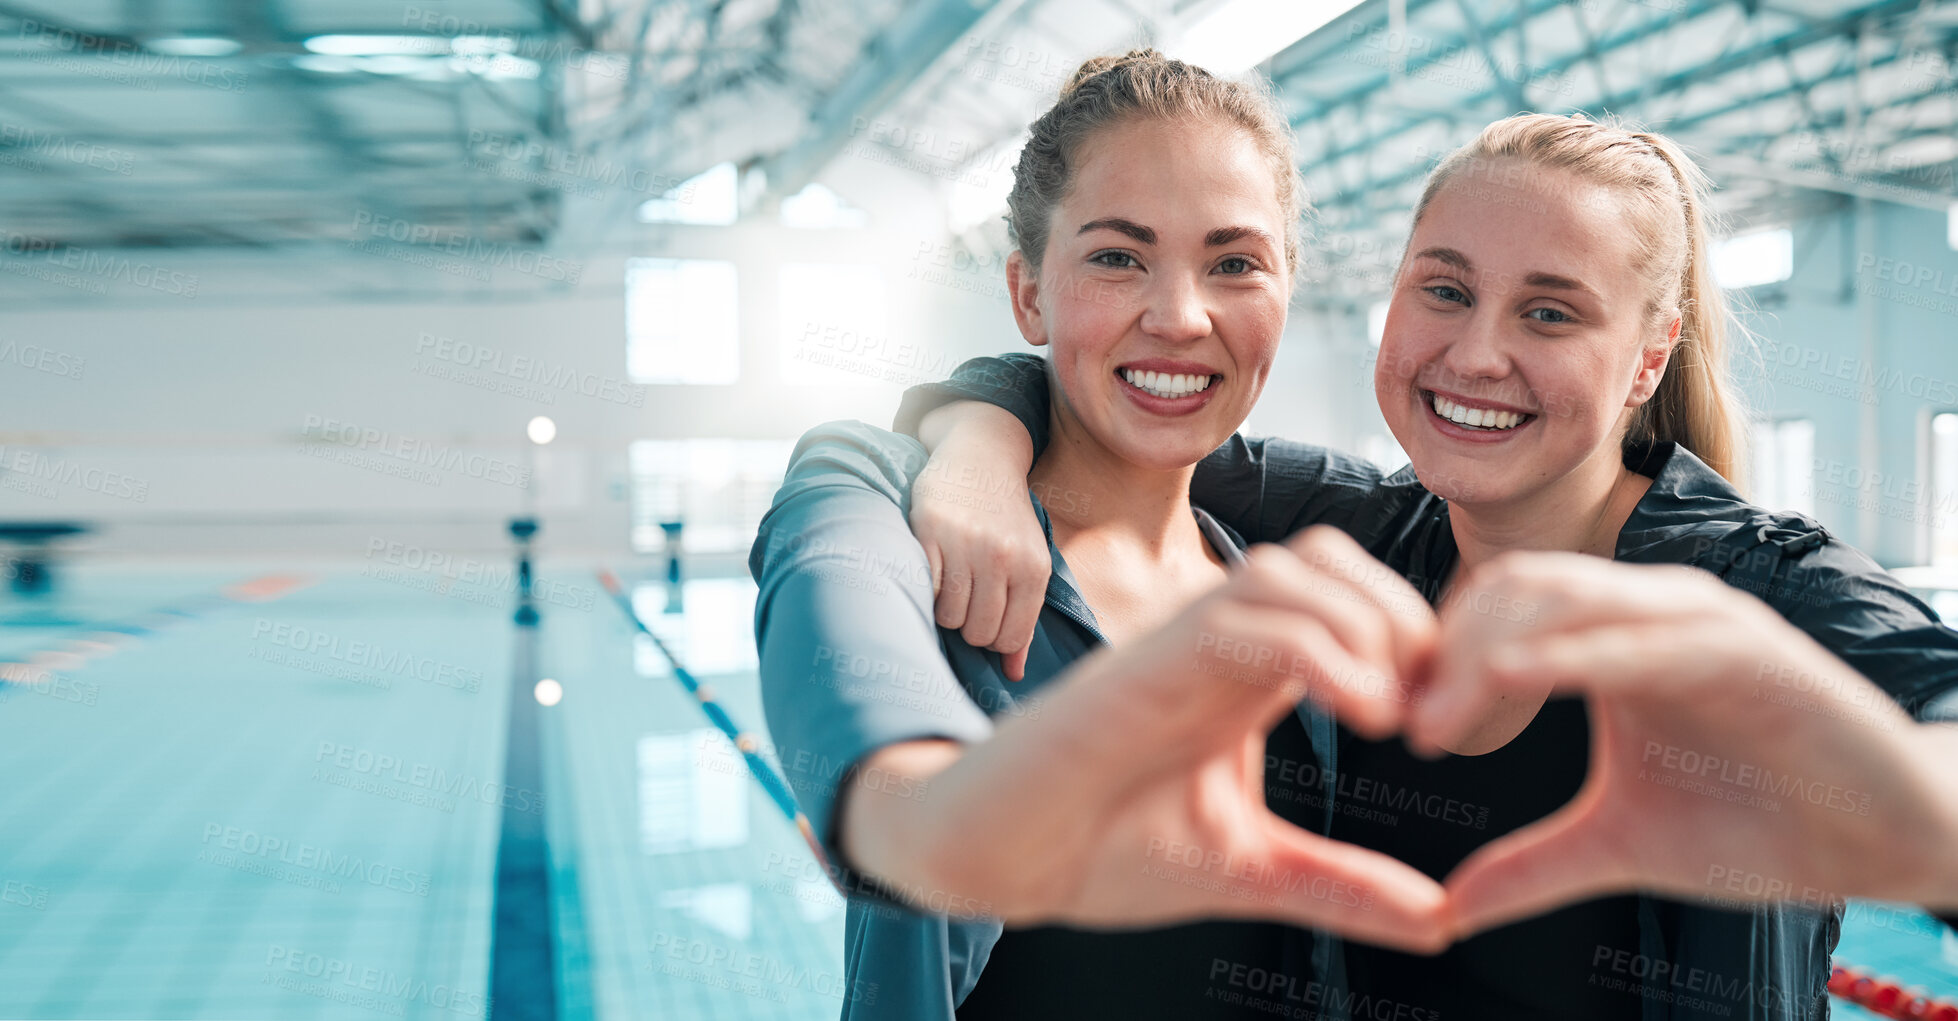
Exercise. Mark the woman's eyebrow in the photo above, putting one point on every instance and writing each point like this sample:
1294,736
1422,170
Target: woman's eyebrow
1535,279
1447,255
1116,223
1231,235
1552,280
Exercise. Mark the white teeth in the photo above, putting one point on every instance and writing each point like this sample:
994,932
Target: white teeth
1476,418
1164,384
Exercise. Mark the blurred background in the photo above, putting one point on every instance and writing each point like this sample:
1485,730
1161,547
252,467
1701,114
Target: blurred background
341,341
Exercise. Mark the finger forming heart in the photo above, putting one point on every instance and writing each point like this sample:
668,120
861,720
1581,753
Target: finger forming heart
1148,759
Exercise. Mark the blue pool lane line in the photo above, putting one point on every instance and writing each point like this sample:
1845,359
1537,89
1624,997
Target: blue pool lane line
523,966
750,749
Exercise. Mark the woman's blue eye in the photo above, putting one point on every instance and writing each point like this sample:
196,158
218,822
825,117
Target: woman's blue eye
1561,316
1447,293
1235,265
1122,260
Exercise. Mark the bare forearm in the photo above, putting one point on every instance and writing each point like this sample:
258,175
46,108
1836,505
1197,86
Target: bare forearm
942,823
971,426
881,832
1937,753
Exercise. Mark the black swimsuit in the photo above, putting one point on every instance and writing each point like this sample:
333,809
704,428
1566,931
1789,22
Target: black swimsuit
1208,971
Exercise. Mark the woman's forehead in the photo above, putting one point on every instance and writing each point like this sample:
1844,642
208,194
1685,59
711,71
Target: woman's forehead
1512,217
1207,166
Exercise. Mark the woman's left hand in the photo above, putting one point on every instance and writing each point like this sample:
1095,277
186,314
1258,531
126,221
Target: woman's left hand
1732,757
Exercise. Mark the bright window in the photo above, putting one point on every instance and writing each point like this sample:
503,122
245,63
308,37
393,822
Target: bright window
1384,451
1784,465
836,327
818,208
1750,260
680,321
976,196
1944,490
711,198
709,625
1232,37
693,793
717,489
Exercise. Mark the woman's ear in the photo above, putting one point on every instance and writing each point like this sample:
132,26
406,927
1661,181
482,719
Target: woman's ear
1652,365
1023,283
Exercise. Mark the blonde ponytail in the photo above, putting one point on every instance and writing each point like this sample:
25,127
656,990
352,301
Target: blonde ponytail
1696,405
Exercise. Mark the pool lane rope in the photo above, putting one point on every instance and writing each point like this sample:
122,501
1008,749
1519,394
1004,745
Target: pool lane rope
42,667
1886,997
744,742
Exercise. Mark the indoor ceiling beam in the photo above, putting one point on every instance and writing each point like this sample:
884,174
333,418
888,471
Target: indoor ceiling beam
889,64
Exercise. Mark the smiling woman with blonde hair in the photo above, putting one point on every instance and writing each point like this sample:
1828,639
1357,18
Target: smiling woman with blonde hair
1553,362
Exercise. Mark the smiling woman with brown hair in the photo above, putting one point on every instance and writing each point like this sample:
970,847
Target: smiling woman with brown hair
1156,214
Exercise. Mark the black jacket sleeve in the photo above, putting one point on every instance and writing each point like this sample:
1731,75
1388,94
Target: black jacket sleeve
1864,615
1264,489
1860,612
1268,488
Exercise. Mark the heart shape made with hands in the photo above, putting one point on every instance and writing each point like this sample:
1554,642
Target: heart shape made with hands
1702,781
1708,779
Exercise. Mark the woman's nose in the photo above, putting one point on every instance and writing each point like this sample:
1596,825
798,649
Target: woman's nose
1176,311
1477,350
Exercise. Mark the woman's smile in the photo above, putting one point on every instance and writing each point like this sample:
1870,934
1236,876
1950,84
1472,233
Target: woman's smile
1162,386
1473,421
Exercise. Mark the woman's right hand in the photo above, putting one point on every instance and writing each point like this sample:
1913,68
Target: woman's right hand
1134,795
1732,755
988,553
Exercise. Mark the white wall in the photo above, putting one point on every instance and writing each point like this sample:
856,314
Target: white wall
177,400
1864,341
180,424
